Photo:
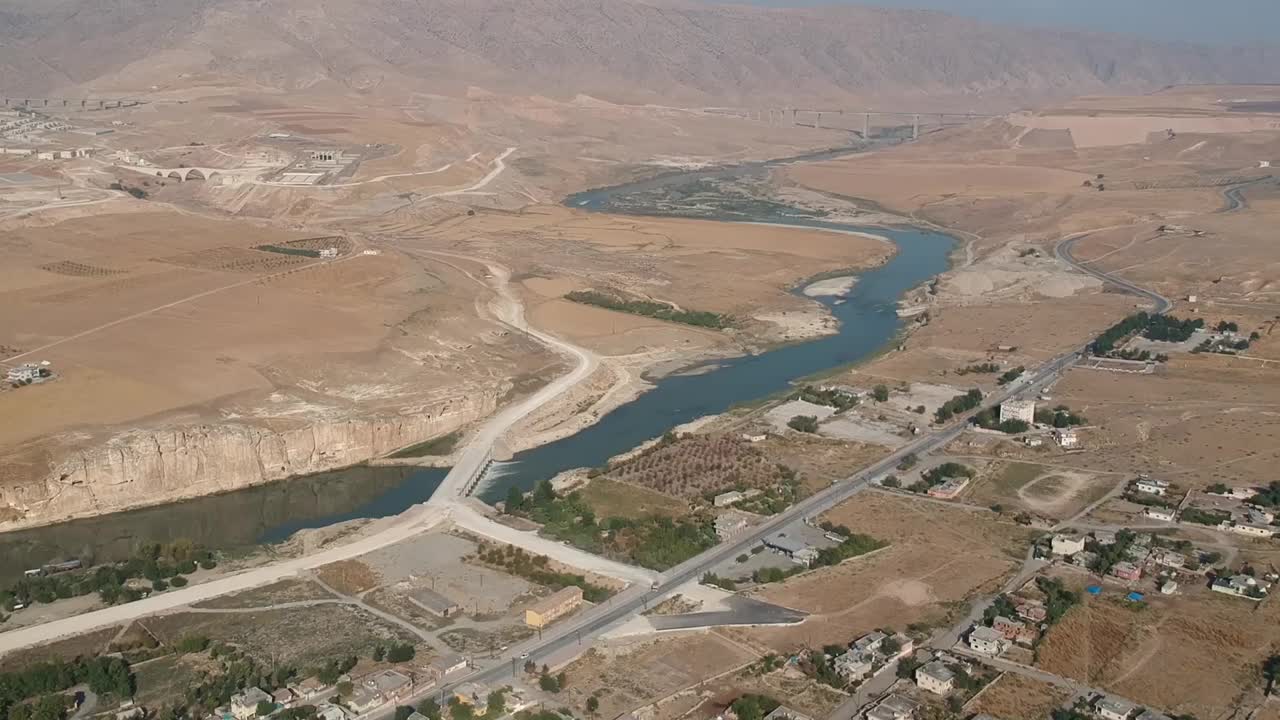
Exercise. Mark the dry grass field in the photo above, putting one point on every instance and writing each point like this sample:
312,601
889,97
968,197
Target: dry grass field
1202,419
1046,490
1155,654
611,498
1018,696
633,676
939,556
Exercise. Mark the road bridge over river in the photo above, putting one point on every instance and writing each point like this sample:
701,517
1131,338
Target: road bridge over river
861,121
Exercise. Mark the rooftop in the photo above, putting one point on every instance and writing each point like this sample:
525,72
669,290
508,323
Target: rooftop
555,600
937,671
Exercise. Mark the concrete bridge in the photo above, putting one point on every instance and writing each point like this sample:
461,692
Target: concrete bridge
183,174
28,103
854,120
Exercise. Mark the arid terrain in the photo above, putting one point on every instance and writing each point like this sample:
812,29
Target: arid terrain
249,241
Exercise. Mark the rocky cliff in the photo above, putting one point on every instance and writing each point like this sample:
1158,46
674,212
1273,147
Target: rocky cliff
141,468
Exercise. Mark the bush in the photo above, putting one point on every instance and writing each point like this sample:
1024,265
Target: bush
880,393
401,652
892,482
803,423
178,581
192,644
648,308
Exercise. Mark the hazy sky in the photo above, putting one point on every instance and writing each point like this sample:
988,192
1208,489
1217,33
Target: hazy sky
1208,21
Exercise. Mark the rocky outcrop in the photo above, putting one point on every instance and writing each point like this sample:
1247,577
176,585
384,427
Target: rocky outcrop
141,468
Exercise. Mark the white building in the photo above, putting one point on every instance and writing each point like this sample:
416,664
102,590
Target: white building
1241,586
1114,708
984,640
935,677
1066,544
854,666
1151,486
894,707
1067,439
244,705
1253,530
1024,410
1162,514
726,499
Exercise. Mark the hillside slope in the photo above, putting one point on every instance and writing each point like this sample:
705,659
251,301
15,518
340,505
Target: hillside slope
630,50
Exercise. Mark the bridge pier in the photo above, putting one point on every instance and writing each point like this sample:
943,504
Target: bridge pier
915,127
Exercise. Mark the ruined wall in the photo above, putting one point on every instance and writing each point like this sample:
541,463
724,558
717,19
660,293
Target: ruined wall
141,468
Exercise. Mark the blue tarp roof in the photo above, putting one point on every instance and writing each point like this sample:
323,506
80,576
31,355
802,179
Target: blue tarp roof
1094,589
1135,596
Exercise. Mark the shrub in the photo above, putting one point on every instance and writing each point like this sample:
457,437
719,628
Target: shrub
803,423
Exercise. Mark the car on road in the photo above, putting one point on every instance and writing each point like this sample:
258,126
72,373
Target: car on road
524,655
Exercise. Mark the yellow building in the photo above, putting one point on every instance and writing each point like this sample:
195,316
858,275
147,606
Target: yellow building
548,609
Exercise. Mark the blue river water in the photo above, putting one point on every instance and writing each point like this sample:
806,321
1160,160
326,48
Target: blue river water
271,513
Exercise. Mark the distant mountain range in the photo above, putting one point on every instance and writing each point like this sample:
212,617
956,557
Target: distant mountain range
618,50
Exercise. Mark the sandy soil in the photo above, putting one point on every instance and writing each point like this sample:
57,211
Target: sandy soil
1154,655
938,556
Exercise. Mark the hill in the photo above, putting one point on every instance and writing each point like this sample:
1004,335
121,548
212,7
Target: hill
621,50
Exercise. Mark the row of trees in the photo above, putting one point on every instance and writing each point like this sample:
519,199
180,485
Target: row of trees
48,679
1164,328
649,308
958,405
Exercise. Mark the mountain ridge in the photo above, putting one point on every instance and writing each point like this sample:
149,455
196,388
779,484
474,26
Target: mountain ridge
617,50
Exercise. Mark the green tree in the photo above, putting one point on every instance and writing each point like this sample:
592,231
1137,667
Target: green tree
430,708
403,712
891,481
593,704
515,500
379,653
496,704
462,711
880,393
1271,671
803,423
401,652
265,708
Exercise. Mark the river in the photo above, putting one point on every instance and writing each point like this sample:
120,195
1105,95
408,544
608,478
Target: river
271,513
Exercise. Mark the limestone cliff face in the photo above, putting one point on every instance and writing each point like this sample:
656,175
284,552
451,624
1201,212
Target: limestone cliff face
143,468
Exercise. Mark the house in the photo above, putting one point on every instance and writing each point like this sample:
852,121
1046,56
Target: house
1109,707
1104,537
26,373
1259,515
726,499
282,697
1032,441
135,712
935,677
1024,410
870,642
1085,560
1162,514
1032,611
1151,486
797,550
893,707
328,711
1241,586
984,640
391,685
1168,558
558,604
950,488
1066,544
782,712
1252,530
1126,571
434,603
363,700
415,715
442,666
1009,629
1149,714
1067,439
1236,493
309,689
853,665
470,693
729,524
244,705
